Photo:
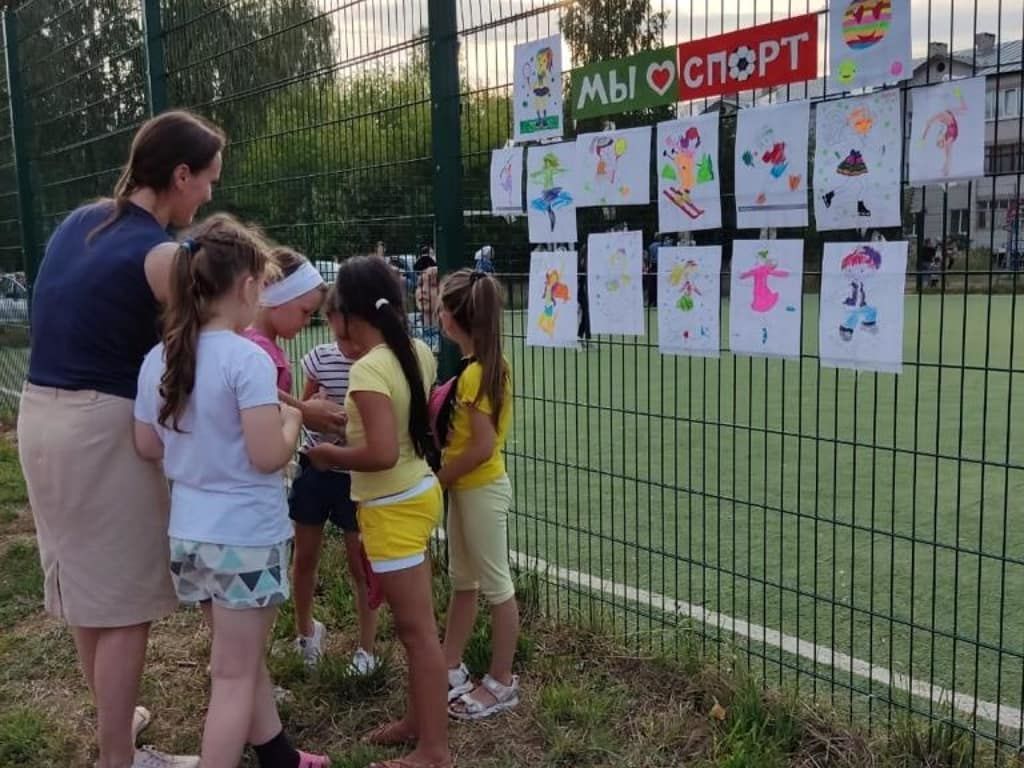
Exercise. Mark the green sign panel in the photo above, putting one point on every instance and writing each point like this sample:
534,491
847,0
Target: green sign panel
648,79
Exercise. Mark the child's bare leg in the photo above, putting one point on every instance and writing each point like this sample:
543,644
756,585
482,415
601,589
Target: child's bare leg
308,542
367,616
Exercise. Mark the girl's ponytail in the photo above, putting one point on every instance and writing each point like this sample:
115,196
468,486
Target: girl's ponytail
476,302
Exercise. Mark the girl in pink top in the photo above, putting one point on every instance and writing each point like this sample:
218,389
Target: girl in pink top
285,308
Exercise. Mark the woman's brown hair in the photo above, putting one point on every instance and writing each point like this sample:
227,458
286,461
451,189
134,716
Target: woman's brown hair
476,302
206,266
162,144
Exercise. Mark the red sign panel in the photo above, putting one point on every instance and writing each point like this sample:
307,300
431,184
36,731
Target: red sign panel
759,57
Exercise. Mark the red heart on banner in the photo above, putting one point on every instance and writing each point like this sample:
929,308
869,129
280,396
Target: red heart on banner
660,76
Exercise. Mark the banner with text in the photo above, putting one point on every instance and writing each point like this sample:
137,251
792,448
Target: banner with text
648,79
758,57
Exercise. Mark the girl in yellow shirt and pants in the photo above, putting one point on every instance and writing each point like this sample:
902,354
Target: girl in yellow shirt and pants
479,495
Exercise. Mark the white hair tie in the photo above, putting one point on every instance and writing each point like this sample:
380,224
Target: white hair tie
382,303
301,281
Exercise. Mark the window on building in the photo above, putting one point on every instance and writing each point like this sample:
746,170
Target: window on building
1011,103
1004,158
990,104
981,222
959,221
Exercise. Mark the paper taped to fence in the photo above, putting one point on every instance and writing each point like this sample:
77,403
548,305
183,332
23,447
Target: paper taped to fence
552,305
615,283
689,299
765,294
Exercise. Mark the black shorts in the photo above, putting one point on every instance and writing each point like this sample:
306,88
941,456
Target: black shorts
317,497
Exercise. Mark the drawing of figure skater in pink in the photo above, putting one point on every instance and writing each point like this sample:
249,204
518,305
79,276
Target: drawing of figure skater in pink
765,298
857,266
948,129
554,291
538,75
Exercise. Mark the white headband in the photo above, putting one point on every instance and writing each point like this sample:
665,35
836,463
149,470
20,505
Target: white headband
301,281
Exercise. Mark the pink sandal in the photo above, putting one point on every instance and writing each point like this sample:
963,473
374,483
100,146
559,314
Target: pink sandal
306,760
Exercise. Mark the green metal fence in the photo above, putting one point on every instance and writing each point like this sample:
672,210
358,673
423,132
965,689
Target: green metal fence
855,537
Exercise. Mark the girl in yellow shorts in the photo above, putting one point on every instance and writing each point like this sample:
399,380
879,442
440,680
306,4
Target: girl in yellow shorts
479,411
399,499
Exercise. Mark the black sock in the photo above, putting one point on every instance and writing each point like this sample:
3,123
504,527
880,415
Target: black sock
277,753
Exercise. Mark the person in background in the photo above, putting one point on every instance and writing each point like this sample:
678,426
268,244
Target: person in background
583,296
483,260
318,496
425,322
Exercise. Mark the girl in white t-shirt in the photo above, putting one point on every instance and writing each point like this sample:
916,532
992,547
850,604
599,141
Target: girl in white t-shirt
208,408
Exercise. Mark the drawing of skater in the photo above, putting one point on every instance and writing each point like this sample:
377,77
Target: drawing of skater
764,298
551,197
682,277
538,79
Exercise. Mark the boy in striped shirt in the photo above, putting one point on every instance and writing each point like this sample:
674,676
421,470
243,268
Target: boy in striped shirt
318,496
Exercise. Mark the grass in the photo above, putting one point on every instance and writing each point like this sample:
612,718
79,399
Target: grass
872,514
868,513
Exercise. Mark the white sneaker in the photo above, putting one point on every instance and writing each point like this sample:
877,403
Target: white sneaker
311,648
140,721
147,757
363,663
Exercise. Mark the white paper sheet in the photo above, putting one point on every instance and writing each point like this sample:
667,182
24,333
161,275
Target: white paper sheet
551,193
771,165
947,135
857,163
552,306
861,325
614,167
615,266
537,98
689,299
765,294
689,187
869,43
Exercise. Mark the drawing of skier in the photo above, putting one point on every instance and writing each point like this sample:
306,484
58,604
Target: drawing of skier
554,291
551,197
687,169
857,266
764,298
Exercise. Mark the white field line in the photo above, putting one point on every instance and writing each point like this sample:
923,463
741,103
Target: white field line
1003,714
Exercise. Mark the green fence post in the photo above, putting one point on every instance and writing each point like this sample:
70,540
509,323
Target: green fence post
446,145
20,139
153,43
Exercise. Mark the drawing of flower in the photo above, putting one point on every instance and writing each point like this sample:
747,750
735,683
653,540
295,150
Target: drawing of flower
741,63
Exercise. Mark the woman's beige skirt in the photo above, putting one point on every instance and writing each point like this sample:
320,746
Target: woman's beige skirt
100,510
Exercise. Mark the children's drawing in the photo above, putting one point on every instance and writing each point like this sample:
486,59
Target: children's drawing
689,294
689,188
857,162
550,193
862,306
869,43
947,135
614,167
537,105
507,181
765,296
552,303
615,283
771,165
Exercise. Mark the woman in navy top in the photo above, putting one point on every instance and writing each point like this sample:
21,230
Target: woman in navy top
100,510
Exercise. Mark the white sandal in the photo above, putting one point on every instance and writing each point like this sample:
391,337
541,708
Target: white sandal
506,697
459,682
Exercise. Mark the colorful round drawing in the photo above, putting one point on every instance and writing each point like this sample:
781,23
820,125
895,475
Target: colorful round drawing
866,23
